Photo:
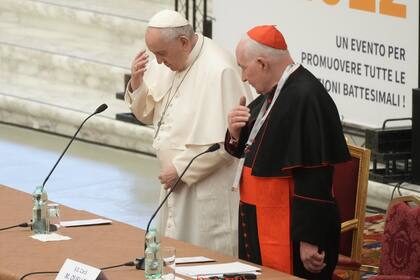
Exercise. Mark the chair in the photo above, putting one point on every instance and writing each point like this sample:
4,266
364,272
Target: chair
400,253
350,189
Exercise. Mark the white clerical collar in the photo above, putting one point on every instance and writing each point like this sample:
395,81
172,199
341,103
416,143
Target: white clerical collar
195,51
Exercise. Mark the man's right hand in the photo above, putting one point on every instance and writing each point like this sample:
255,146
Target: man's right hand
138,67
311,258
237,118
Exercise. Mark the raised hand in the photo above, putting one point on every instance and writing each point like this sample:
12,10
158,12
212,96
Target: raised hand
138,67
237,118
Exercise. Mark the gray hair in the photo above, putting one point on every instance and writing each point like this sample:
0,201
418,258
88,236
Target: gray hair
171,33
254,49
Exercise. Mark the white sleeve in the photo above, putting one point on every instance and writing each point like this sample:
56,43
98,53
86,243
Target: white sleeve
140,102
202,166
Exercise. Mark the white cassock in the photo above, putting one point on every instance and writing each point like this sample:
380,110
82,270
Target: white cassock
203,209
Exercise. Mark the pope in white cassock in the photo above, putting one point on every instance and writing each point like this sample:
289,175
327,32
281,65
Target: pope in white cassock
186,93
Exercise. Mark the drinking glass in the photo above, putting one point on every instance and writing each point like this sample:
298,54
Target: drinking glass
53,210
168,257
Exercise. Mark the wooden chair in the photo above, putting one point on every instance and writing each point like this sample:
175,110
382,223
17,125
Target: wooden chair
400,253
350,189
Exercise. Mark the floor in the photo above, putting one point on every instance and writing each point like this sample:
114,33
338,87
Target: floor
109,182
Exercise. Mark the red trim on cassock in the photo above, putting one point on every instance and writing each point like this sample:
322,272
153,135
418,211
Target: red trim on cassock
315,199
272,198
323,164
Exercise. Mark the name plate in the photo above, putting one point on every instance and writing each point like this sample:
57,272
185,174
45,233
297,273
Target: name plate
73,270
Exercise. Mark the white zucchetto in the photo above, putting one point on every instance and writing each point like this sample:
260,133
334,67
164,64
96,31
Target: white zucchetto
167,19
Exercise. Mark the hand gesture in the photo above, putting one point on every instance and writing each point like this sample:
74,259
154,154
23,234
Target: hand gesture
138,67
312,260
237,118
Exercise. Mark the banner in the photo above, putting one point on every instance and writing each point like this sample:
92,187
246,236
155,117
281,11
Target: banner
365,52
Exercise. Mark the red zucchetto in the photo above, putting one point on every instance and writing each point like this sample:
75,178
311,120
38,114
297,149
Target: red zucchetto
268,35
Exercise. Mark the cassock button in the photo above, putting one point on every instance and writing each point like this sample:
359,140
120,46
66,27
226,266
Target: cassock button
243,224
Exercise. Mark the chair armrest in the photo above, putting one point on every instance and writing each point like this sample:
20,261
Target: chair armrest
369,268
349,225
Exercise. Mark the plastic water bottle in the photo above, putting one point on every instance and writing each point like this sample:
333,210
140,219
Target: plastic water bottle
40,223
153,258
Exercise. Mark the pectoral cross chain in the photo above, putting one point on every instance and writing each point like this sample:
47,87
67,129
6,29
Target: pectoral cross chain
159,124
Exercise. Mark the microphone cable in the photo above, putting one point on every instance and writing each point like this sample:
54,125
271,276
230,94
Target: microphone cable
19,225
38,272
55,272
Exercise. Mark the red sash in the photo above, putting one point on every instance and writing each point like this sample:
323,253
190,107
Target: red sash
272,197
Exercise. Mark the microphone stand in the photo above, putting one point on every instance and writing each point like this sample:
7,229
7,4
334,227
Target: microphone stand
98,110
40,222
140,261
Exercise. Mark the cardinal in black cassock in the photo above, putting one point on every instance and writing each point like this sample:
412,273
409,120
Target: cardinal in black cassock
288,217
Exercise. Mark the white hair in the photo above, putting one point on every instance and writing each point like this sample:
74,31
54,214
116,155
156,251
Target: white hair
255,49
170,33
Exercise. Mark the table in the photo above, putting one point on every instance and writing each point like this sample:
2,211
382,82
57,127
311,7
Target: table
98,246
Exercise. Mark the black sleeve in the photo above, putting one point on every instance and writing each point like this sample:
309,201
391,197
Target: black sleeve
236,150
314,212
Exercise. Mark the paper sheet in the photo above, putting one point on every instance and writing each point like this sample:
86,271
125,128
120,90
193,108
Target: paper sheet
50,237
91,222
199,259
215,269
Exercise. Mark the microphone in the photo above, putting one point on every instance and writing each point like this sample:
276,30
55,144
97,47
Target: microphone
212,148
140,261
98,110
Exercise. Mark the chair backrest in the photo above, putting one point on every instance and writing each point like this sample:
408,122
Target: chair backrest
350,189
400,253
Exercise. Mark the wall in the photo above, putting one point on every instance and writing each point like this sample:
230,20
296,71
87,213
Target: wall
364,51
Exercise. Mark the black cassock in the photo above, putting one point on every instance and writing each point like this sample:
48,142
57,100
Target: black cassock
286,185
